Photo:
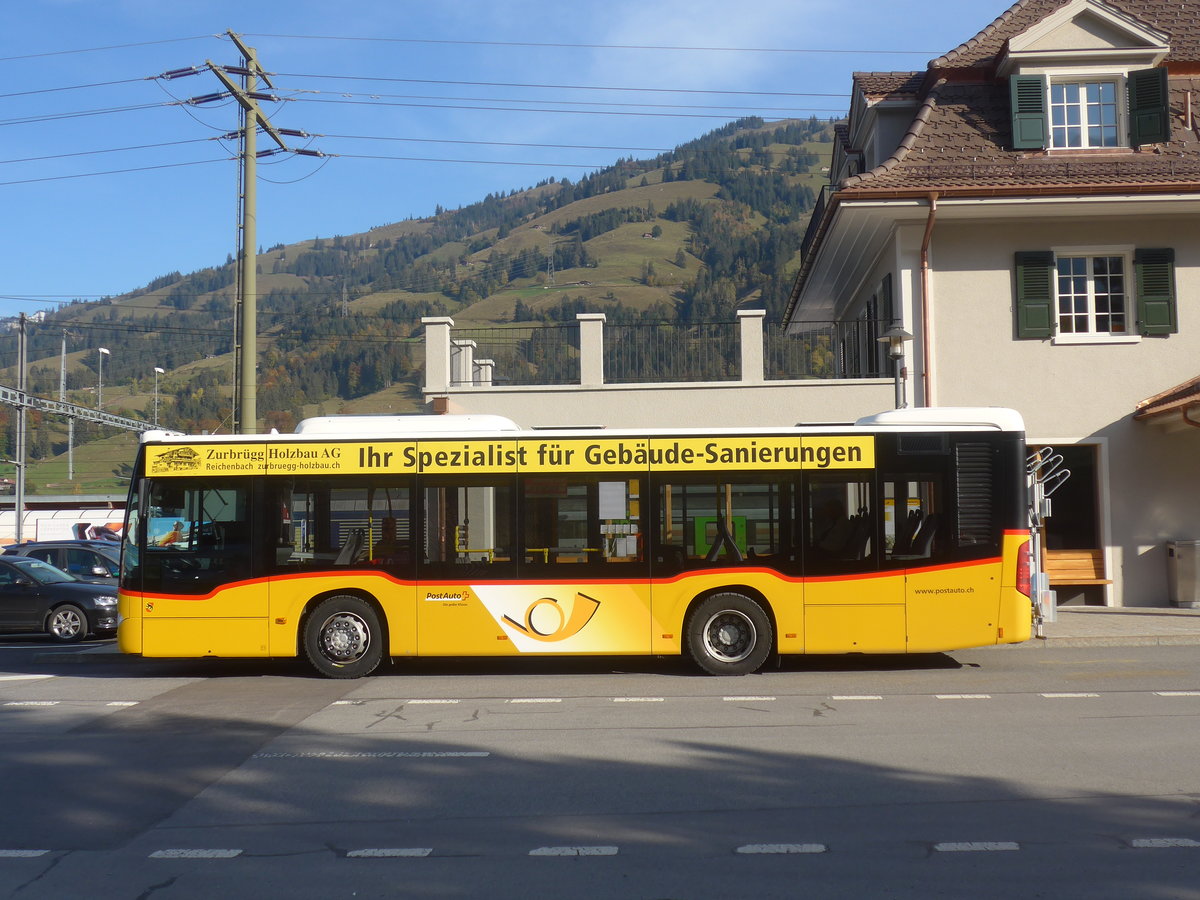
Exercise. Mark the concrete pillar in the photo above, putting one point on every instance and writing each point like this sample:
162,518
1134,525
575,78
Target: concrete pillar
483,372
437,353
591,348
462,362
750,322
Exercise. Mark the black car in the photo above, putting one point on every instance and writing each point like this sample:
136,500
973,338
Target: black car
37,597
96,561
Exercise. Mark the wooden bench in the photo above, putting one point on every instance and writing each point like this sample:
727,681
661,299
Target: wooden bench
1076,567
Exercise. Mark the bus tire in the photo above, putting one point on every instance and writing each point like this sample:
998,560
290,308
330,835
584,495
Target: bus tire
343,637
729,634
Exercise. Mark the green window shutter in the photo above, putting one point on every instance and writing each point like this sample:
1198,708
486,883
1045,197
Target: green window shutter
1149,107
1027,94
1035,294
1156,291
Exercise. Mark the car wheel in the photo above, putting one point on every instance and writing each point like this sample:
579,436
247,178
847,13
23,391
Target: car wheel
729,634
343,638
67,624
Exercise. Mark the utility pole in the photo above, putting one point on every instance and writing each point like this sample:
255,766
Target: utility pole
247,96
19,499
62,398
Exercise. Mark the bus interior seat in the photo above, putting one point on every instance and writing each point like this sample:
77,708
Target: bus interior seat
860,537
352,547
906,533
922,545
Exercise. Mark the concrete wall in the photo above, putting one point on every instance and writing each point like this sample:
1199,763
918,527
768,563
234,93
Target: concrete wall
771,403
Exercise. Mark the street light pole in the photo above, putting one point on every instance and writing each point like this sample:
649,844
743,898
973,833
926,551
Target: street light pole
100,378
157,372
895,339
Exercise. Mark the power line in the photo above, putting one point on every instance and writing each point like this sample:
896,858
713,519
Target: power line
198,162
577,112
563,102
367,137
74,87
53,117
110,150
568,87
198,37
548,44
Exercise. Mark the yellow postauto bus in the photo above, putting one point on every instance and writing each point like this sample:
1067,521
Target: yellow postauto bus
359,539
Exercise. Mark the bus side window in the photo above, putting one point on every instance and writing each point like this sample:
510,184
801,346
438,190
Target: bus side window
466,527
915,527
581,520
839,523
702,523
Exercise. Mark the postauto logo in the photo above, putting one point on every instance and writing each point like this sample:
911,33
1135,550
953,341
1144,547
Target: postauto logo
548,619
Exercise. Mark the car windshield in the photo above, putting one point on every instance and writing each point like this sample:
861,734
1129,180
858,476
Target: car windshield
41,572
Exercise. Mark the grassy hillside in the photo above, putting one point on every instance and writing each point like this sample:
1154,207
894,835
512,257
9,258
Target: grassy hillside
684,237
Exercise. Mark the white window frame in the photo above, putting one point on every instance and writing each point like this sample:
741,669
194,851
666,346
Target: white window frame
1119,81
1130,335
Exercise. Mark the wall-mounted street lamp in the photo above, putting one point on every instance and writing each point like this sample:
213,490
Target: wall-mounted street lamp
895,338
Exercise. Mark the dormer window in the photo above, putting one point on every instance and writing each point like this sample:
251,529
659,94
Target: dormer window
1083,114
1069,112
1087,76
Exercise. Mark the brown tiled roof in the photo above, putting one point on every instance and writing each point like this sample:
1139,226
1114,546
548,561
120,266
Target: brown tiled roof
1178,18
959,140
881,85
1181,398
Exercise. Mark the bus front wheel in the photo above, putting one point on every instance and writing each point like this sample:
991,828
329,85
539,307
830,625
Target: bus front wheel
729,634
343,638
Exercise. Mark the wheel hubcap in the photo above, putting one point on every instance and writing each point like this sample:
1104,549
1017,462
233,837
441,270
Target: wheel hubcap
65,624
345,638
729,636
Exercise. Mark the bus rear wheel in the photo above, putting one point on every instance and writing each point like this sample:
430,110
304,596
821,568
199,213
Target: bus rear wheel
729,634
343,638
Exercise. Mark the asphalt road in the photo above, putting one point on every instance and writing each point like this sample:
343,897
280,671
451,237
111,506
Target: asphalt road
991,773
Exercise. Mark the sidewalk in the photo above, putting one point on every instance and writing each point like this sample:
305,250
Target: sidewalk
1099,626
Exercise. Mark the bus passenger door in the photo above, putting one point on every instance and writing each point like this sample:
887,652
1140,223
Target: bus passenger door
202,573
851,605
465,544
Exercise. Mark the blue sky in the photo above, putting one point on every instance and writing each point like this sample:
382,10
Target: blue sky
424,103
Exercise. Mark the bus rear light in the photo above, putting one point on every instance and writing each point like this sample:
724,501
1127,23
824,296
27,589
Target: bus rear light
1023,569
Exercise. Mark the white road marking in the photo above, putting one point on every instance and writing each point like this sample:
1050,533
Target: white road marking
639,699
123,703
976,846
747,699
1068,696
963,696
856,697
22,854
782,848
381,754
1177,693
390,852
1143,843
574,851
432,702
23,677
195,854
535,700
32,703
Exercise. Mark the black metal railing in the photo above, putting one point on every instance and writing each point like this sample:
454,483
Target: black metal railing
640,354
527,354
666,354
